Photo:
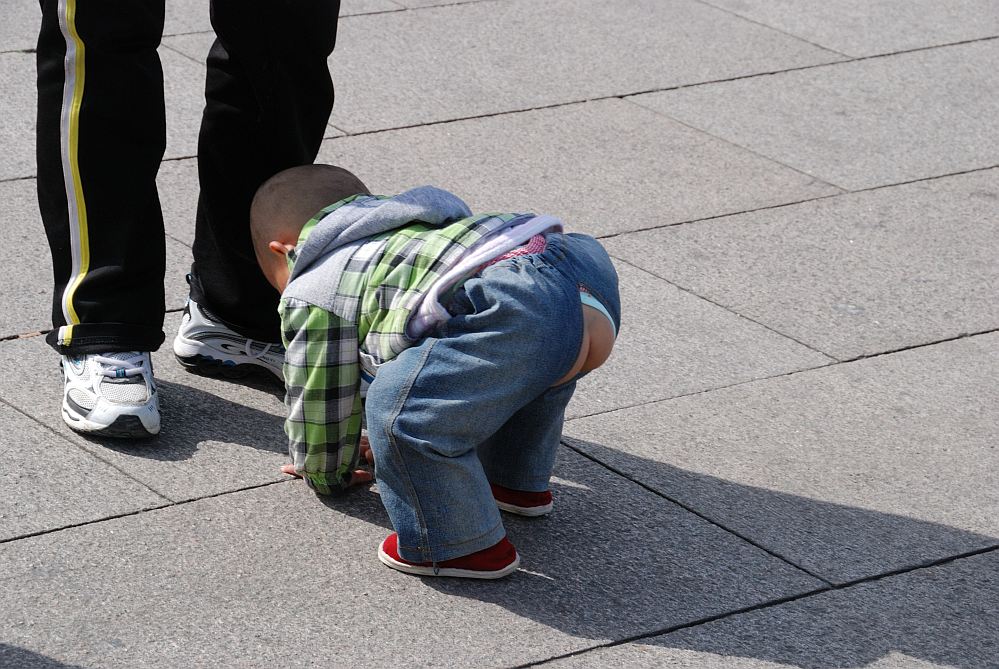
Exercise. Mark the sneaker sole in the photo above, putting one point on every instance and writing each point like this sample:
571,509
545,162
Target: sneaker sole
451,572
208,366
124,427
528,511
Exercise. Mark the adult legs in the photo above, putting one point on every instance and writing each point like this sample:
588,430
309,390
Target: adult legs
101,136
268,97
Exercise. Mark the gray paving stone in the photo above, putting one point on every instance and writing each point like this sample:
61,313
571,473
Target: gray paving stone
218,436
47,483
17,115
354,7
415,4
27,292
862,28
19,29
191,16
177,182
484,58
860,124
28,284
673,343
604,167
849,471
186,16
274,576
184,84
184,91
851,275
944,616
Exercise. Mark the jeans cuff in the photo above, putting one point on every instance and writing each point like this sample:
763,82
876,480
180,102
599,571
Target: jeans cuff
451,551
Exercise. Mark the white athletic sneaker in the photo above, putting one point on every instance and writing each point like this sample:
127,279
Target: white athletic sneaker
206,346
111,395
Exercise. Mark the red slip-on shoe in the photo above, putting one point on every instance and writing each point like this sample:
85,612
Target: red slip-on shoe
522,503
494,562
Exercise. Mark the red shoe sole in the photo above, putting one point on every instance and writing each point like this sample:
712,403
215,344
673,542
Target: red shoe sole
530,511
453,572
529,504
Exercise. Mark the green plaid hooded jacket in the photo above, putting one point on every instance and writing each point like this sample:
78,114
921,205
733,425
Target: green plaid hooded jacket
349,310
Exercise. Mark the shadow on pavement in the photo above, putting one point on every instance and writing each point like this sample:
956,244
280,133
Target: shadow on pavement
192,416
13,657
615,561
947,617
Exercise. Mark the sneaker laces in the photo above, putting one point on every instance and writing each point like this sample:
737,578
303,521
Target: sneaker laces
122,367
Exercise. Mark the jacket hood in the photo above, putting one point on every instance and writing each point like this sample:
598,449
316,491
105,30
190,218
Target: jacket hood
371,215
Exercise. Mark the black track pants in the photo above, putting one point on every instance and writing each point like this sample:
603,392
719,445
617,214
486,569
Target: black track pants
101,136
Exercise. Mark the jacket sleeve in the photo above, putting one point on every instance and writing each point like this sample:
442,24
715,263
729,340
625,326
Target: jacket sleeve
321,377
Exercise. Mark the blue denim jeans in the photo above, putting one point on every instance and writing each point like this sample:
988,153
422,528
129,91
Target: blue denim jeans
474,402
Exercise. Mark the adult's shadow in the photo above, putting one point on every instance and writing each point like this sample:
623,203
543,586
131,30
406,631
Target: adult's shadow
618,559
191,416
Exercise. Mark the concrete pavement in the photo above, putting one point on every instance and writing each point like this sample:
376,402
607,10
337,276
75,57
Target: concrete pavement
791,460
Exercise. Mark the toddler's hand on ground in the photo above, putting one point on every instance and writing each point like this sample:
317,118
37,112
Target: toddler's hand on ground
358,477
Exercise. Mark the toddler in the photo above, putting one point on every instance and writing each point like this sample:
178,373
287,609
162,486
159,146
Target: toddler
468,333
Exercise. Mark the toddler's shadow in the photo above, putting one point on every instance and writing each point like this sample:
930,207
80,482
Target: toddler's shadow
615,560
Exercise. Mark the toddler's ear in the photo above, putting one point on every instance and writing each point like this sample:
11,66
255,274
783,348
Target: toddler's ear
281,249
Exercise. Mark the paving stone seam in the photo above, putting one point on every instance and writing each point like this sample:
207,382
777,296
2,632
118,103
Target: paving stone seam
726,308
27,178
343,133
475,117
148,509
42,333
179,241
621,96
781,205
963,335
567,442
88,453
821,46
625,96
694,393
781,375
765,605
834,362
774,28
740,147
22,335
848,61
404,8
334,138
399,8
199,61
343,17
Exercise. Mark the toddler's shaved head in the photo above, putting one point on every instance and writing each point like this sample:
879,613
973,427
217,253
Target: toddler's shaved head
286,202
